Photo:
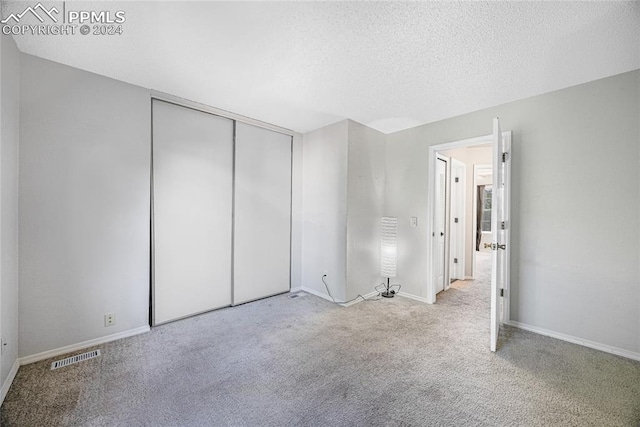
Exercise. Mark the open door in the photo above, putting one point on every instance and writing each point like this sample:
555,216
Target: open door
499,228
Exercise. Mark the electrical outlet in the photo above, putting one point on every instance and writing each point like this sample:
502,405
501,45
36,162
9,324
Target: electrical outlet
109,319
414,221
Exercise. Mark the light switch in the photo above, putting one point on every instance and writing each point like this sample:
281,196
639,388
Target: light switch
414,221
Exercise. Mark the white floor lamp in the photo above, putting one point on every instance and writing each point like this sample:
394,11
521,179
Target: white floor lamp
389,246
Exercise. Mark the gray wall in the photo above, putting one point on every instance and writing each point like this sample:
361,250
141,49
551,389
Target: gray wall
9,107
84,205
365,207
575,206
324,209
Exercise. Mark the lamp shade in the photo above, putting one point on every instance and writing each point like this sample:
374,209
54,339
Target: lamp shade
389,246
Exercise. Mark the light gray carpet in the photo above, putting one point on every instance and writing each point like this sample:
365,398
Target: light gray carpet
304,361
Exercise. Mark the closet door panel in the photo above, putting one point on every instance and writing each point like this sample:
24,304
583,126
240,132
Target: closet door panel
192,211
262,215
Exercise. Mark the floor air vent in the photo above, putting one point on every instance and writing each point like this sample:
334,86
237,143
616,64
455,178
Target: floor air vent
75,359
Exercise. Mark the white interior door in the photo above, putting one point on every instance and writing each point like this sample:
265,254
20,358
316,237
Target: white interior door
262,216
457,241
441,222
192,211
499,228
1,339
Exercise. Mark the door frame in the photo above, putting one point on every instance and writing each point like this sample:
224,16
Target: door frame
431,214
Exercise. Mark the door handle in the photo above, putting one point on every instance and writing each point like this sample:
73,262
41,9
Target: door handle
495,246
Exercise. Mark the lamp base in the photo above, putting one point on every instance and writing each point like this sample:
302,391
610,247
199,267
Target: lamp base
388,294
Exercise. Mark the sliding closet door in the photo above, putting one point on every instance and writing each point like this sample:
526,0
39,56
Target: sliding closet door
192,211
262,230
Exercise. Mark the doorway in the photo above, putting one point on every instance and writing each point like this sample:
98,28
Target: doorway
456,217
476,212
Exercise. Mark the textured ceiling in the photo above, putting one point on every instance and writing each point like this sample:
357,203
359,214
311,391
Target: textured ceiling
389,65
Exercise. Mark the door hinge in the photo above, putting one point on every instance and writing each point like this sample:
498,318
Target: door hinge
501,292
455,260
503,226
457,179
455,220
505,155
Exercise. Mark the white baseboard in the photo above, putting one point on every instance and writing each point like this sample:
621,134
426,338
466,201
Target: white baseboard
316,293
296,289
366,296
82,345
414,297
7,383
575,340
328,298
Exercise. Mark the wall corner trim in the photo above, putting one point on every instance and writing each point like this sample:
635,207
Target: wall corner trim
575,340
82,345
413,297
7,383
316,293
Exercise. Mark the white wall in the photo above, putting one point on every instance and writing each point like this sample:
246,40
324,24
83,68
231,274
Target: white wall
84,205
324,205
343,200
405,197
575,241
9,111
470,156
365,207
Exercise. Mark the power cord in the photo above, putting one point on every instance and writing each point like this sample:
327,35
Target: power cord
376,298
391,290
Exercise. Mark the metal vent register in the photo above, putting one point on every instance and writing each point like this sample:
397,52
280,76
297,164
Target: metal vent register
75,359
